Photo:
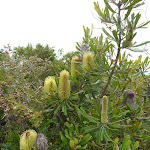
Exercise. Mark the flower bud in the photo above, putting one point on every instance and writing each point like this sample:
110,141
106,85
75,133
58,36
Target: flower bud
75,66
50,84
64,85
88,60
72,144
104,110
27,140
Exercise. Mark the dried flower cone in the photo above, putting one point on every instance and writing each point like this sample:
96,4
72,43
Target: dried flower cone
41,142
64,85
75,66
88,60
27,140
50,84
104,110
84,48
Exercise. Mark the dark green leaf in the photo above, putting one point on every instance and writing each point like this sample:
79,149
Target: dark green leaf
57,109
128,13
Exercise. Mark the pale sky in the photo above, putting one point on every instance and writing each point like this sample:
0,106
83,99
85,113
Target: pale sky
58,23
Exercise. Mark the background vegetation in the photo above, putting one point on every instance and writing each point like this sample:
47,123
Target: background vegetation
75,123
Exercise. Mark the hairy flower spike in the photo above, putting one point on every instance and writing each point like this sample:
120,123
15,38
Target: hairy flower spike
88,60
64,85
27,140
104,110
75,65
41,142
84,48
50,84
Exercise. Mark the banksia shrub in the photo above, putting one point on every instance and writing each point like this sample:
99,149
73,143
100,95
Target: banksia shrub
104,110
88,60
50,84
64,85
75,65
28,139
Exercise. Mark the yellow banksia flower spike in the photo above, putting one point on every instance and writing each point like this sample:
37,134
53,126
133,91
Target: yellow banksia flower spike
72,144
104,110
50,84
28,139
64,85
75,65
88,60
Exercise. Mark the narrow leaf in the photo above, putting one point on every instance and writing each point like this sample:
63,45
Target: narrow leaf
143,24
109,7
128,13
142,44
57,109
96,7
135,146
109,36
115,35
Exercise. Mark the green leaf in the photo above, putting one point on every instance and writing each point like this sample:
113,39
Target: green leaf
57,109
118,26
85,139
107,137
90,129
109,36
102,130
133,4
128,13
137,50
138,16
96,7
126,139
115,35
142,44
135,146
143,24
64,108
109,7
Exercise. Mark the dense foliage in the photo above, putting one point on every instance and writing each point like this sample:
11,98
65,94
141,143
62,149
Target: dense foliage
94,98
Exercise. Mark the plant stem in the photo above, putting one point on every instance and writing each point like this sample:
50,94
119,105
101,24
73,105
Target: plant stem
118,52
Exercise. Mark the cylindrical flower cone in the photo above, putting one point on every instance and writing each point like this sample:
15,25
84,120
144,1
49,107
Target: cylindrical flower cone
104,110
88,60
64,85
75,66
28,139
50,84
